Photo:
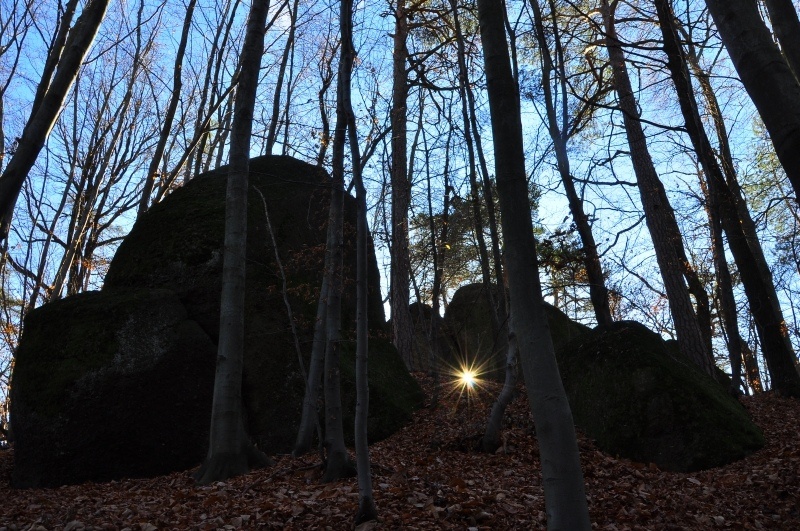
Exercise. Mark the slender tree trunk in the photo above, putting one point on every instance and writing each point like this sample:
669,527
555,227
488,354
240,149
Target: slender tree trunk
598,293
565,500
490,441
44,116
758,286
766,76
338,463
366,502
169,115
475,195
402,332
309,419
276,99
660,217
230,451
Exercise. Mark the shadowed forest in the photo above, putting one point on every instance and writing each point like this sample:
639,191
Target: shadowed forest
424,263
427,477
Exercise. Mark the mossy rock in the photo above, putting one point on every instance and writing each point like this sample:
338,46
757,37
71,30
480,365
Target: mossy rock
175,250
637,401
109,385
468,320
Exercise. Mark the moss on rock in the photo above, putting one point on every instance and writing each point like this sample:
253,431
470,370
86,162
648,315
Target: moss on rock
637,401
174,252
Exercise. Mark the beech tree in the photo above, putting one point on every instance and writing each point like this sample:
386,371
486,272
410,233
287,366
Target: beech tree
554,87
675,269
758,286
401,189
565,500
230,451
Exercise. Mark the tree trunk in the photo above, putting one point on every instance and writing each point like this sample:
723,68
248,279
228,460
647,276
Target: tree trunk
758,287
169,115
44,116
230,451
402,332
366,502
786,25
276,98
598,293
565,500
490,441
309,419
766,76
660,216
338,464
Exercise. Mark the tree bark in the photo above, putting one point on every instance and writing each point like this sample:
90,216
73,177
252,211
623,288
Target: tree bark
402,332
786,25
758,287
565,500
660,217
338,464
44,116
230,451
766,76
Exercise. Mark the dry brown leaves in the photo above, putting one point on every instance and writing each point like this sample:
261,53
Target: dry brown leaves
427,476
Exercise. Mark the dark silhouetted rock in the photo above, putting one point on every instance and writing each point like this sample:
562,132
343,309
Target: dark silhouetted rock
640,402
88,405
469,321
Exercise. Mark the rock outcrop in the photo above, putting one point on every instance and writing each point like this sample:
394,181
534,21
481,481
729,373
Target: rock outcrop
118,383
639,401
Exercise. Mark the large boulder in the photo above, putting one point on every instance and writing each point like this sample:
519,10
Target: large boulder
468,320
640,401
118,383
109,385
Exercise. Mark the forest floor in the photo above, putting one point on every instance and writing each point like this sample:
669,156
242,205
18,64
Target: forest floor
427,476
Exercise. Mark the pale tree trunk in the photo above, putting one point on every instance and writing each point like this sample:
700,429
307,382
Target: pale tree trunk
44,116
660,217
338,464
169,115
309,419
758,287
491,441
766,76
559,133
402,332
230,451
565,500
786,25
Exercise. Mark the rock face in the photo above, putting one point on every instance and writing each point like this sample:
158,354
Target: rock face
118,383
421,315
637,401
469,323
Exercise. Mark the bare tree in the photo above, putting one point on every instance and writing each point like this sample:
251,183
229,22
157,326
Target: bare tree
230,451
46,113
675,269
758,287
766,76
565,500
